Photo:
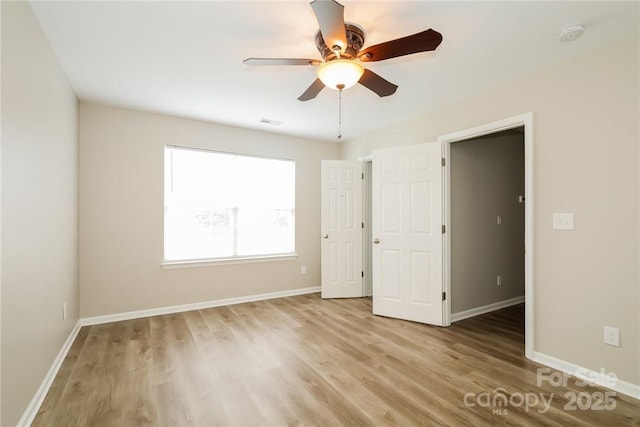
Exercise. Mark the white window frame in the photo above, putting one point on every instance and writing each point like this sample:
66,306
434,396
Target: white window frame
239,259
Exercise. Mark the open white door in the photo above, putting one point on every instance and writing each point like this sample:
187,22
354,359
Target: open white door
407,233
341,228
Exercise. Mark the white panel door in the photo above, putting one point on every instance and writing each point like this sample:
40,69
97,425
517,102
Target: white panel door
341,227
407,233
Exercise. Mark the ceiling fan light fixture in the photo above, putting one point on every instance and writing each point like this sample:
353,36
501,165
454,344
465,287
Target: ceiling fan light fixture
340,73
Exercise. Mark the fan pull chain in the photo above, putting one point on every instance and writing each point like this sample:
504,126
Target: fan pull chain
340,87
339,115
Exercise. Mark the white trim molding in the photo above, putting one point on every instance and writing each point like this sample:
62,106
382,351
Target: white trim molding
455,317
167,265
600,379
108,318
34,406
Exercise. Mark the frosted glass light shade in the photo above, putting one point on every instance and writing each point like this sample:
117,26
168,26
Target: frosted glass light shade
338,72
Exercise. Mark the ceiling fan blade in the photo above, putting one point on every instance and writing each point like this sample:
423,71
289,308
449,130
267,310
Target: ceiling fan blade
280,61
377,84
330,16
421,42
312,91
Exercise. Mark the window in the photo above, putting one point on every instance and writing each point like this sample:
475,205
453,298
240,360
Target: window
226,206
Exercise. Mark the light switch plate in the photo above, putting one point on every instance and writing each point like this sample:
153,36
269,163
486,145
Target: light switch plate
563,221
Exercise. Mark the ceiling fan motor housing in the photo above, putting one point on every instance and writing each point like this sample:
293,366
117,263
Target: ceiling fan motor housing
355,41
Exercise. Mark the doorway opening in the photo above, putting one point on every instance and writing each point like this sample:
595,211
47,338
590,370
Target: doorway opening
487,223
522,125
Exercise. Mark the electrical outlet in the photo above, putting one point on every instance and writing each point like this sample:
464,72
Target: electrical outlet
303,269
498,220
499,280
612,336
64,311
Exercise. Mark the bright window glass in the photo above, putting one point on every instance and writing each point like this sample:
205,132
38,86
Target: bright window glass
225,206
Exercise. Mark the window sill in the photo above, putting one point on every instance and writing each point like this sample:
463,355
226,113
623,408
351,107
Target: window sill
170,265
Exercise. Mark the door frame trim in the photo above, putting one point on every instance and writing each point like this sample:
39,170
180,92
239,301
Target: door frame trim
367,214
525,120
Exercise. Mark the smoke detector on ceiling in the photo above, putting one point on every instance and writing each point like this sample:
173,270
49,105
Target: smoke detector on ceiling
570,32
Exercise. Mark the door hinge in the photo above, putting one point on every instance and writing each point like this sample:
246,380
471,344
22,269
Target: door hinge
362,224
444,229
362,175
362,274
444,296
444,162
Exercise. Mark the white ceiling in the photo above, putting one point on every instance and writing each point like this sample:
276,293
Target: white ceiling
185,58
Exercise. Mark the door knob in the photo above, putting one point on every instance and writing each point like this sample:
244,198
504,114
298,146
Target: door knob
376,241
326,236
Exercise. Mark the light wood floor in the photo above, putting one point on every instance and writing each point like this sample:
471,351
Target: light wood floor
305,361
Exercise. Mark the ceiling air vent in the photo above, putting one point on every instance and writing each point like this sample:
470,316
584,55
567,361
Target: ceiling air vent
271,122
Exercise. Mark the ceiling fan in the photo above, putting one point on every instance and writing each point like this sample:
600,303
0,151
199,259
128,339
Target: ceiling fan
340,45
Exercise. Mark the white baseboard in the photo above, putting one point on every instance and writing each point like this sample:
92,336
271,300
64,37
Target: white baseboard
455,317
34,406
597,378
97,320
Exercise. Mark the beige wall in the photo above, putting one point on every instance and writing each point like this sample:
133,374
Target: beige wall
487,176
39,208
586,138
121,212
